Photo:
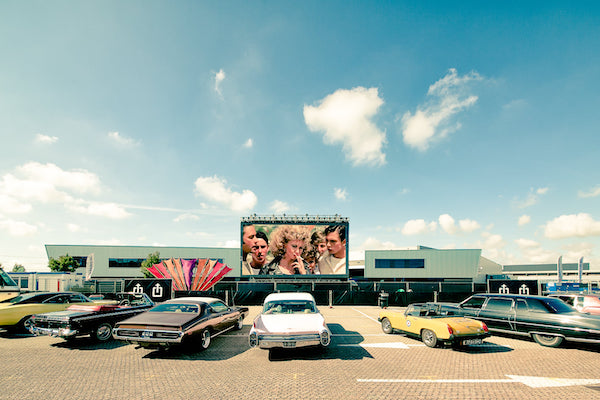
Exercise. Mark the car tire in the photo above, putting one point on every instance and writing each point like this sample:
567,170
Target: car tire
239,323
103,332
547,340
429,338
205,339
26,323
386,326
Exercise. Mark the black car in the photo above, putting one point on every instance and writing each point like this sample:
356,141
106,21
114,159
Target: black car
185,320
94,320
548,320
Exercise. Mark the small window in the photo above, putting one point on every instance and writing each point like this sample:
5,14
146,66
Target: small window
218,307
473,302
499,305
537,306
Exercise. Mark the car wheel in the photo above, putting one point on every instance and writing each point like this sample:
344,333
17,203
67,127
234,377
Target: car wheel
103,332
239,324
386,326
429,338
27,324
547,340
204,339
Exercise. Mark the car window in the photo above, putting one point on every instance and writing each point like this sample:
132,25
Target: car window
555,306
522,306
176,308
473,302
218,307
59,299
499,305
290,307
413,311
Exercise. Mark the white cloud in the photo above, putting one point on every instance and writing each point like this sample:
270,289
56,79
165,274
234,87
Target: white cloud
573,225
345,118
340,194
249,143
532,198
10,205
45,139
279,207
447,223
594,192
108,210
524,220
73,228
374,244
122,140
219,78
17,228
432,121
45,183
186,217
526,243
418,227
464,225
468,225
214,189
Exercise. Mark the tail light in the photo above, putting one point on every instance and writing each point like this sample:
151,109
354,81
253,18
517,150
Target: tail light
484,326
450,330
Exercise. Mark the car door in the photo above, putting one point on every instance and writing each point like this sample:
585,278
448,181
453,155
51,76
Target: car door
220,316
498,313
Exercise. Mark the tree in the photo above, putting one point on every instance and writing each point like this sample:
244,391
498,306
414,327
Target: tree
153,258
18,268
64,263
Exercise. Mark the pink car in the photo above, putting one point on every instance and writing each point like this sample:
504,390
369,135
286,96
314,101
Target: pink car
582,302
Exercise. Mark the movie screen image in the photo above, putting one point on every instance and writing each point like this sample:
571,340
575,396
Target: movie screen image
282,250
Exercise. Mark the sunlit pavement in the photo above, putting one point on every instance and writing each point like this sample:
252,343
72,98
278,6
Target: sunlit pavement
361,363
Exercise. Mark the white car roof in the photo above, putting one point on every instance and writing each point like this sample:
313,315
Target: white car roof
207,300
289,296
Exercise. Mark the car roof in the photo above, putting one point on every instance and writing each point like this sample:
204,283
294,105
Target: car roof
512,295
195,300
289,296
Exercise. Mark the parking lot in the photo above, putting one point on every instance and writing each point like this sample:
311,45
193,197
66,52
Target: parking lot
361,363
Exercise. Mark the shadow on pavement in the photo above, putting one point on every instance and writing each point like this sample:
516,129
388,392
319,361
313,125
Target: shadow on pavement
87,343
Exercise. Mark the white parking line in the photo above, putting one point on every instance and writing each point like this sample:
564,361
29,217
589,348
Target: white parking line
531,381
371,318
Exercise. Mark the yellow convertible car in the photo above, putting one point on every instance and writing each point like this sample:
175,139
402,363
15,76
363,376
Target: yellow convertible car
434,326
16,312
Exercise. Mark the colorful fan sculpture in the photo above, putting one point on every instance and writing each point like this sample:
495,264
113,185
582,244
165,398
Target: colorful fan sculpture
194,275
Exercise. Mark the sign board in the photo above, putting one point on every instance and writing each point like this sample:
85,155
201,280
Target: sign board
158,290
564,287
508,286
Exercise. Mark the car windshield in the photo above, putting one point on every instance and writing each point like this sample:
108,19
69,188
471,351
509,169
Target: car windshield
6,280
289,307
557,306
29,298
176,308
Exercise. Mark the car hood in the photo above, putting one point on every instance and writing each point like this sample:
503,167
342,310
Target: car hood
159,319
291,322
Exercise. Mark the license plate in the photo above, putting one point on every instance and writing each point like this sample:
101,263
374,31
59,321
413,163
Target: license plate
468,342
289,344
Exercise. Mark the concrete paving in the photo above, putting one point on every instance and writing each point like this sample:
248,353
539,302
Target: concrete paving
361,363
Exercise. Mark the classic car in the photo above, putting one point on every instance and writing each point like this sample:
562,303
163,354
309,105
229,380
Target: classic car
8,287
585,303
185,320
289,320
15,313
547,320
96,320
433,325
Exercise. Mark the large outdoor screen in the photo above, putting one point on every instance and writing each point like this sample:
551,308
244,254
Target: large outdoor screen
294,249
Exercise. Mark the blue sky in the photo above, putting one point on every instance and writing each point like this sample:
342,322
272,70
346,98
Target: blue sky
449,125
